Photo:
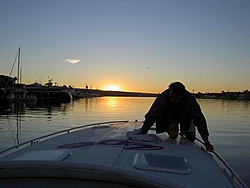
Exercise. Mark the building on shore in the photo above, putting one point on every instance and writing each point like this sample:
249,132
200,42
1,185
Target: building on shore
11,91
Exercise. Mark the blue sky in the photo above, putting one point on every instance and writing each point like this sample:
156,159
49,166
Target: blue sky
138,45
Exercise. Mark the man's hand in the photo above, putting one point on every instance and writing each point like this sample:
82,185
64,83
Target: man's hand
139,131
209,146
142,132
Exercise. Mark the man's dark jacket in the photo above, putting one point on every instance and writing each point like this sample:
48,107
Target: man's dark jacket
161,113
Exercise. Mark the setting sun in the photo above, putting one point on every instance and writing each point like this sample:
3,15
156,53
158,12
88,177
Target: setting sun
112,88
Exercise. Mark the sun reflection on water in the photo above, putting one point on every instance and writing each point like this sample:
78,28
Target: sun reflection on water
112,102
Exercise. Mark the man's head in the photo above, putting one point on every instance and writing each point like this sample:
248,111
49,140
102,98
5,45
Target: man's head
177,91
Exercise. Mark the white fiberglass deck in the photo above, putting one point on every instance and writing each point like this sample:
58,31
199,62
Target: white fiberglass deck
176,163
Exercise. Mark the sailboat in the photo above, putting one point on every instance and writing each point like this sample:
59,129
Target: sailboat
14,92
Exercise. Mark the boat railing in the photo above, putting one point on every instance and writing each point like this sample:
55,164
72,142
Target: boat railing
36,140
231,172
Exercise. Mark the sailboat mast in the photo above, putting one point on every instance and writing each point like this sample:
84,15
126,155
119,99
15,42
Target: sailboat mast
18,66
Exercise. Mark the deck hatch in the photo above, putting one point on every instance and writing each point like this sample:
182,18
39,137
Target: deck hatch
162,163
44,155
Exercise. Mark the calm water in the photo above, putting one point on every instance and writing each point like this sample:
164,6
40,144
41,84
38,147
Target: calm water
228,121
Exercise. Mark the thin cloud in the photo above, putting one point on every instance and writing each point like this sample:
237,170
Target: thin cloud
72,61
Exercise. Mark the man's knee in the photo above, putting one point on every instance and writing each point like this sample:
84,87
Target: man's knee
173,133
190,136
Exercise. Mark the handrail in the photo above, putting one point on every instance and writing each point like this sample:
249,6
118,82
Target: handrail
32,141
233,174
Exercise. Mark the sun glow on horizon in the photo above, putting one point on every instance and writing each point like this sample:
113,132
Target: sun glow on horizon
112,88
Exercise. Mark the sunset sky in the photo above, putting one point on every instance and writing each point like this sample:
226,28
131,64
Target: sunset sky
136,45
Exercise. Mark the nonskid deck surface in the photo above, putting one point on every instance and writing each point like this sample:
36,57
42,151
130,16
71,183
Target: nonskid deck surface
108,146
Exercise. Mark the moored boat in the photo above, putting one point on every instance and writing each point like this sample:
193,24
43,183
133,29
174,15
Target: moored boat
111,154
49,92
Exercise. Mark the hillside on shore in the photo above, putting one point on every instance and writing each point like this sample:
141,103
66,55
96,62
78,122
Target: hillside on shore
117,93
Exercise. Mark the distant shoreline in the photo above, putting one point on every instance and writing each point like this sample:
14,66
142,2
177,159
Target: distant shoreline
116,93
245,95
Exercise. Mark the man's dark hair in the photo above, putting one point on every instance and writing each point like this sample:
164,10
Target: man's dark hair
177,87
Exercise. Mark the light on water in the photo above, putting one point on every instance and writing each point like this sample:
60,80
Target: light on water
228,122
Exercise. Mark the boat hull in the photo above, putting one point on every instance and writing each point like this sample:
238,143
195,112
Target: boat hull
49,93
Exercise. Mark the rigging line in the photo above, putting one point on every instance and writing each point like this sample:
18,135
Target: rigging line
14,63
12,69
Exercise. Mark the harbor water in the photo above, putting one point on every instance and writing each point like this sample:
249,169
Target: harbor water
228,122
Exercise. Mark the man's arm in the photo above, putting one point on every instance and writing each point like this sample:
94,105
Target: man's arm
147,124
201,124
208,145
150,117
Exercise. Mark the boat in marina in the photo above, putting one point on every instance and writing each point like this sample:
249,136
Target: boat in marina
12,89
48,92
112,154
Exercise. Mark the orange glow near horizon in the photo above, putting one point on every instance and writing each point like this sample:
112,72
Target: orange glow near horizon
112,88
